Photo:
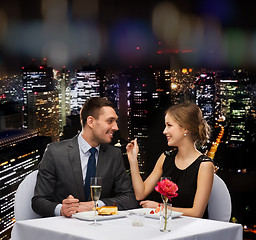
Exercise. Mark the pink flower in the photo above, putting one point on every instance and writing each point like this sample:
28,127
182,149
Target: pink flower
167,188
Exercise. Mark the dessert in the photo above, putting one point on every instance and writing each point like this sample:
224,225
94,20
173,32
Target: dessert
157,210
107,210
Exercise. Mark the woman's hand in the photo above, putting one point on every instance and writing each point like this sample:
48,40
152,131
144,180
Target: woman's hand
132,150
149,204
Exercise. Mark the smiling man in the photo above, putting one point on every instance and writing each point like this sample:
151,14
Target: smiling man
61,182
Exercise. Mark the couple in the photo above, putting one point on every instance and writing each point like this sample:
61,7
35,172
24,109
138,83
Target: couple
62,172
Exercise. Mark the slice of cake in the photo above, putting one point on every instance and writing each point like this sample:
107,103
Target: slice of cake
107,210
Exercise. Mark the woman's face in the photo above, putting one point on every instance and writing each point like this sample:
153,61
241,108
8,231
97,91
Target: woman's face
173,131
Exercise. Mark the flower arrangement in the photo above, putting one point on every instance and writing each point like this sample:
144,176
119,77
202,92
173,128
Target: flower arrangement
168,190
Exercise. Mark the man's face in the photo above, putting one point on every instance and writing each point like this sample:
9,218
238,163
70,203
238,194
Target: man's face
105,126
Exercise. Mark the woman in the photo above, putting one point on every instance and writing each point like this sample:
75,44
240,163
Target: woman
188,168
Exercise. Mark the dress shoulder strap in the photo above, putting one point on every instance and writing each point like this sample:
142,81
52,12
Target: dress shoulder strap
204,158
171,152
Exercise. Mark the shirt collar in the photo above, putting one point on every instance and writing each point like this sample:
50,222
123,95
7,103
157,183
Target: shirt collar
85,146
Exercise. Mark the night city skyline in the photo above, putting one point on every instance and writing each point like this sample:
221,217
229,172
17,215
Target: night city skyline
143,56
141,95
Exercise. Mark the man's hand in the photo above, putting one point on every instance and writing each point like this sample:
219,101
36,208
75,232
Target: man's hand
85,206
69,206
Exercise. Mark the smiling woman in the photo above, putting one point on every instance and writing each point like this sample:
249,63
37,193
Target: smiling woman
190,118
187,167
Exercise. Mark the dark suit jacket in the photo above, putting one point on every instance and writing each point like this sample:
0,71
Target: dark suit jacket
60,175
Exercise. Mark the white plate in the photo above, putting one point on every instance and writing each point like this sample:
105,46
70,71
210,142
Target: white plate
147,211
90,216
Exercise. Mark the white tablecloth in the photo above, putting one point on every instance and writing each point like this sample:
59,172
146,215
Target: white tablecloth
61,228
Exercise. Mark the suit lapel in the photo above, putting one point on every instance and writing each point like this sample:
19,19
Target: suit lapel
74,158
101,160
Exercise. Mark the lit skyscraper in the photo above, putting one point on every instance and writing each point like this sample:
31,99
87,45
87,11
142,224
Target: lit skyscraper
35,79
111,90
87,83
43,108
205,95
235,105
180,85
140,89
63,87
236,112
20,153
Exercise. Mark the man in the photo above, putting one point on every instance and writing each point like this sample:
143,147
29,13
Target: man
62,172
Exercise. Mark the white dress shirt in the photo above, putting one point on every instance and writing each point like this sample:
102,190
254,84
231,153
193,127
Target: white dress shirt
84,148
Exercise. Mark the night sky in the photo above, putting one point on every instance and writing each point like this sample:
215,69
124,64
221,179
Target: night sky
122,33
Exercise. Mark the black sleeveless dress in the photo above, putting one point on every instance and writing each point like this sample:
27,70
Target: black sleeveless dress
185,179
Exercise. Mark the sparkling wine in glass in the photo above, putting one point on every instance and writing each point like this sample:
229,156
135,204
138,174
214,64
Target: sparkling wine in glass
96,187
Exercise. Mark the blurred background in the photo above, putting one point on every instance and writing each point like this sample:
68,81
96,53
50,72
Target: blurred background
114,33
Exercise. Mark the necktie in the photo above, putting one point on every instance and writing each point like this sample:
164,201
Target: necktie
91,169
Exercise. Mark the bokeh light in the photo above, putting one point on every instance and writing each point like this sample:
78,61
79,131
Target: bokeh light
236,45
221,9
166,23
57,53
131,41
84,39
202,39
3,25
202,36
24,38
85,9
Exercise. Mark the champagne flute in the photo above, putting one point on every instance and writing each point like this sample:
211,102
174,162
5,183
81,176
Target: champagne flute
96,187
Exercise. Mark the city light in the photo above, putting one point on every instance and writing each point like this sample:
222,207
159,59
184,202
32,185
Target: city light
49,99
174,86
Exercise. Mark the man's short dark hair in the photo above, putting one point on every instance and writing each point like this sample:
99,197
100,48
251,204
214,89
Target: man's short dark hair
92,107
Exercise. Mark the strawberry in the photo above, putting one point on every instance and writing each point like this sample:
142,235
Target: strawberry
157,209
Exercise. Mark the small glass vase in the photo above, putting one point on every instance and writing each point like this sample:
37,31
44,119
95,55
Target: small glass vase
165,216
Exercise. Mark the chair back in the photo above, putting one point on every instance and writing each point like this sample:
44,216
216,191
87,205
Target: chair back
23,196
219,205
